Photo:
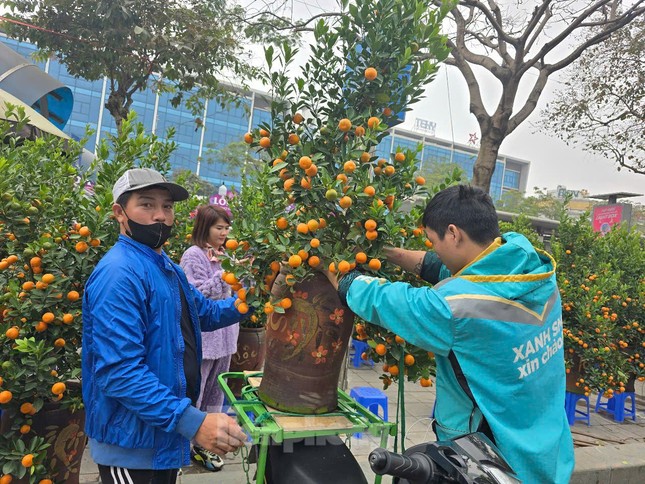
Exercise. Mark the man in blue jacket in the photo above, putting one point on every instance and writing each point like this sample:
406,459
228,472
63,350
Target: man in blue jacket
493,320
142,346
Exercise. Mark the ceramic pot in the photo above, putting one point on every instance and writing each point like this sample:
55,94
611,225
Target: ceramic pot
306,347
251,348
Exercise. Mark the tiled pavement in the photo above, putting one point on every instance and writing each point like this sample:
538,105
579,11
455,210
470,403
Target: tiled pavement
607,452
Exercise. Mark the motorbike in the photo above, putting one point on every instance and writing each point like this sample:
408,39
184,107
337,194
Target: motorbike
467,459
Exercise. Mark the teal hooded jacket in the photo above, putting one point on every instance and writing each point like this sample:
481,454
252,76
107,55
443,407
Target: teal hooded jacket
501,319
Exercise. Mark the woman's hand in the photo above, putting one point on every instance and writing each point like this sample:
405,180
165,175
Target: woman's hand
245,261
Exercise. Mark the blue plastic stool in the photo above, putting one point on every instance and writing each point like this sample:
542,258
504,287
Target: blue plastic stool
570,404
616,405
360,347
372,399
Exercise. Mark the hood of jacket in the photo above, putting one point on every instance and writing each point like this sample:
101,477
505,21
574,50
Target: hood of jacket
512,268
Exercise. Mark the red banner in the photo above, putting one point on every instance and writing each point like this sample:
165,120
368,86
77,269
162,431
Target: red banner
606,216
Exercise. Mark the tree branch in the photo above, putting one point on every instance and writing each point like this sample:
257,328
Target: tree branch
606,122
295,27
536,24
499,28
503,51
483,40
469,56
531,101
596,39
630,109
610,27
476,103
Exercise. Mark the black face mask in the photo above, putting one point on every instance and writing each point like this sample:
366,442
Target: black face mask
153,235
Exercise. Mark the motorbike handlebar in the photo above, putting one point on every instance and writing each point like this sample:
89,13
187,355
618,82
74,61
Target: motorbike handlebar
416,467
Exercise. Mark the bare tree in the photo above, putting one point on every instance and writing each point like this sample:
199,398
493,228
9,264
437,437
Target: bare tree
602,105
517,46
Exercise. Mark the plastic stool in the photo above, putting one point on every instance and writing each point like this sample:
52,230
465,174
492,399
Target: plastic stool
570,404
372,399
616,405
360,347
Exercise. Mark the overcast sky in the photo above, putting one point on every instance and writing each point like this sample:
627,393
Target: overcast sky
553,163
446,103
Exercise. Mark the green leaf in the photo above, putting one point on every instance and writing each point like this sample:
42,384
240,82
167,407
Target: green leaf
20,446
10,467
268,56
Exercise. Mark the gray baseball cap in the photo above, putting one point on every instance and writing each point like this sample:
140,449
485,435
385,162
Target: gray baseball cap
139,178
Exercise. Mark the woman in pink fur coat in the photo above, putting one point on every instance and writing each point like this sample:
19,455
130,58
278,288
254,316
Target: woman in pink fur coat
204,271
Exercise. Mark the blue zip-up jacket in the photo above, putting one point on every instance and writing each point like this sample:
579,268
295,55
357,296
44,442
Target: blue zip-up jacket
501,318
134,387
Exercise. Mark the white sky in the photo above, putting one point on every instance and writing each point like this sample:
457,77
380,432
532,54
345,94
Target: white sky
446,103
553,163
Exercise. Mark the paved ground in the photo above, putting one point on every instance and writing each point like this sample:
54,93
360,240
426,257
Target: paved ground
606,451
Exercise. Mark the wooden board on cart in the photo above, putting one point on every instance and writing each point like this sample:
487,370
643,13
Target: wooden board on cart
254,381
291,423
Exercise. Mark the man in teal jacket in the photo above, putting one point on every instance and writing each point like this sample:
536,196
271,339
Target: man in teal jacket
494,322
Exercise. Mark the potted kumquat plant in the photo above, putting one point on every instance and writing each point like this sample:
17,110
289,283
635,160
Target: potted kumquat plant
55,225
603,298
325,198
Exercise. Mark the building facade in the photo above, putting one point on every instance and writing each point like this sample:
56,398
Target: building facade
198,141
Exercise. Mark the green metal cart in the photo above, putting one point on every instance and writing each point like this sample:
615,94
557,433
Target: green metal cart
265,424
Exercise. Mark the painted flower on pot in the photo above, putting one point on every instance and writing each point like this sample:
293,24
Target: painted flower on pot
293,337
337,316
320,354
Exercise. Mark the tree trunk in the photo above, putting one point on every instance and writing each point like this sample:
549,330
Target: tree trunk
485,163
118,106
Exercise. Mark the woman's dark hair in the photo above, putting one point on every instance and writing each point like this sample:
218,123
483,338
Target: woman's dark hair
207,216
469,208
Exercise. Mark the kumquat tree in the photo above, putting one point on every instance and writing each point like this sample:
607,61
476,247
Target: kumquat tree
603,302
53,231
325,197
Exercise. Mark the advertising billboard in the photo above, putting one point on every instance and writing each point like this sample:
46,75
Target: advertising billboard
604,217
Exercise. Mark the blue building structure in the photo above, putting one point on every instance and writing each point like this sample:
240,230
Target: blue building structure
510,173
219,127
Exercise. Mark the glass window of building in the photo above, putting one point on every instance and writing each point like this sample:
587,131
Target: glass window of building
223,126
512,179
187,131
